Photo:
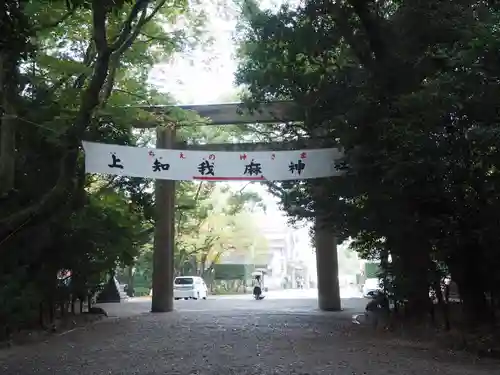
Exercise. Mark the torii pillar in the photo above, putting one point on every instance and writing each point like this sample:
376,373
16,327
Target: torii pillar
164,237
327,266
327,263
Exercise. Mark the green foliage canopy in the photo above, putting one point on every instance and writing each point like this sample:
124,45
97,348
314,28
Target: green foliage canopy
414,109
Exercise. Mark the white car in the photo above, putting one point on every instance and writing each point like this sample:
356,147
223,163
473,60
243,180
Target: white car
190,287
370,287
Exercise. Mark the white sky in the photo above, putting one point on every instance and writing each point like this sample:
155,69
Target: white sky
206,75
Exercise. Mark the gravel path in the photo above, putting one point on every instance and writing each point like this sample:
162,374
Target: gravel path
231,343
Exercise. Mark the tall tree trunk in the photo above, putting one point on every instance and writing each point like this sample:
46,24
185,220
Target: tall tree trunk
14,31
467,273
8,72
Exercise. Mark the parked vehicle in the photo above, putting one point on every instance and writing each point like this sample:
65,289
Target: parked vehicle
190,287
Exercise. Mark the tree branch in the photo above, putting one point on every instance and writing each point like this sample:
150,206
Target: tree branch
357,44
127,35
99,34
110,82
292,209
151,38
89,101
133,94
88,57
55,23
155,11
373,28
214,262
126,39
139,6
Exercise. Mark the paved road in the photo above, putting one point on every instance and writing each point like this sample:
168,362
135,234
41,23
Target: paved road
221,336
287,301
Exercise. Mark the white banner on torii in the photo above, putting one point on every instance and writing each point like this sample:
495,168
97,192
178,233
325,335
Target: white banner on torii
182,165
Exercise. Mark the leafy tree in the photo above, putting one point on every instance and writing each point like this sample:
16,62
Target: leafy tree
413,109
73,71
210,221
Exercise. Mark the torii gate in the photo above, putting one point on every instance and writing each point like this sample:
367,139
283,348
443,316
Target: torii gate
230,114
220,114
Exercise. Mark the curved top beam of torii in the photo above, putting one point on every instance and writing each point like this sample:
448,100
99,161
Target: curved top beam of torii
232,113
237,114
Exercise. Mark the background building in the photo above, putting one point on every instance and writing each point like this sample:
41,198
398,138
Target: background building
291,255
